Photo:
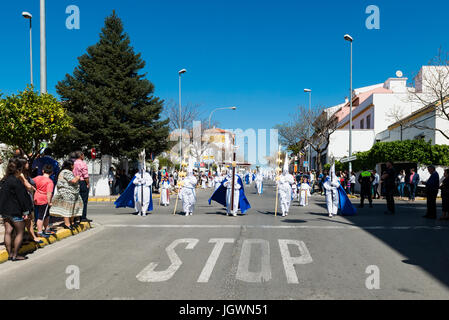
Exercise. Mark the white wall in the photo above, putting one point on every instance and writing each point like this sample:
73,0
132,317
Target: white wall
362,140
443,124
385,105
411,133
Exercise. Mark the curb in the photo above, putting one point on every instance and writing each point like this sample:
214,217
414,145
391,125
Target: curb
109,199
32,246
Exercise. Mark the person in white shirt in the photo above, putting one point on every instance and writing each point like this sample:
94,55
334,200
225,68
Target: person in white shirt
218,179
210,181
330,185
232,210
285,182
312,181
295,194
143,183
259,183
352,180
376,185
304,193
188,194
165,192
203,181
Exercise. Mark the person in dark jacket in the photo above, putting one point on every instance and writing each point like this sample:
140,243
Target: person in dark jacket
366,180
15,206
388,179
445,195
432,186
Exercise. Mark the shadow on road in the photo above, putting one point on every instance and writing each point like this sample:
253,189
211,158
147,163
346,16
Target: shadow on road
294,221
427,248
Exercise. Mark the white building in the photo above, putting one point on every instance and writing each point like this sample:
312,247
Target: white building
377,110
208,146
418,125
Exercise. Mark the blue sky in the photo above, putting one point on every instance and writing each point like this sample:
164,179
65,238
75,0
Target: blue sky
256,55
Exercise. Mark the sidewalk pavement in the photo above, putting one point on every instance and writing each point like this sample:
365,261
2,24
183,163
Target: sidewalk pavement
357,196
29,246
113,198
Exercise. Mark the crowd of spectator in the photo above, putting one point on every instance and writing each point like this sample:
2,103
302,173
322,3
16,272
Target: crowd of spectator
33,191
389,184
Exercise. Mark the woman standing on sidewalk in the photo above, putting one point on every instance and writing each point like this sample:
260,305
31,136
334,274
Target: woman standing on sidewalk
67,203
445,195
15,206
31,188
401,183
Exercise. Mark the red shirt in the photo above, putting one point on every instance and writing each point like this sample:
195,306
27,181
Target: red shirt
43,185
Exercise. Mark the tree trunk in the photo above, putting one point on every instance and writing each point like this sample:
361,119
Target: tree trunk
318,160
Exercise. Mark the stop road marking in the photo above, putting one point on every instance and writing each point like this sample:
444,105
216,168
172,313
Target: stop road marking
149,275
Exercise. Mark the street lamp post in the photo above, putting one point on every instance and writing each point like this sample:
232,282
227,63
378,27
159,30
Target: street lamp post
180,72
310,146
29,16
43,49
210,116
347,37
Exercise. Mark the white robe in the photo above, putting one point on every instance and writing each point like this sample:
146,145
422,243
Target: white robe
140,182
304,194
217,182
259,183
165,193
203,182
295,191
237,186
285,192
331,196
188,194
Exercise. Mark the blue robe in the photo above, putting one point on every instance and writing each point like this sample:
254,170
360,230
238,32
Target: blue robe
127,200
344,204
247,179
220,196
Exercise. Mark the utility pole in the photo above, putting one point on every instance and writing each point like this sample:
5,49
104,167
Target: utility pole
43,49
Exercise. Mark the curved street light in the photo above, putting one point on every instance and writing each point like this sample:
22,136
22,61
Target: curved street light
347,37
29,16
230,108
180,72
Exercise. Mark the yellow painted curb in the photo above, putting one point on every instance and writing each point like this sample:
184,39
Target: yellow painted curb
61,234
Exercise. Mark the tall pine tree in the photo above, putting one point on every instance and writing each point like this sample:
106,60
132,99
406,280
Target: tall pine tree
112,105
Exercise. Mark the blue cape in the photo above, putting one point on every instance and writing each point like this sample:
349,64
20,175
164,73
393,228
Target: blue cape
220,196
344,204
247,179
126,199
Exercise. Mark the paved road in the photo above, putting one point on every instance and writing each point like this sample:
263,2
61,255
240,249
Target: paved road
257,256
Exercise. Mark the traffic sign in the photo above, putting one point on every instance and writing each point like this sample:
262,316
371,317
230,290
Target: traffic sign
348,159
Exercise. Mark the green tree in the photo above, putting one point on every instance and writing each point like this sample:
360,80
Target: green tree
111,103
27,119
165,162
418,151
